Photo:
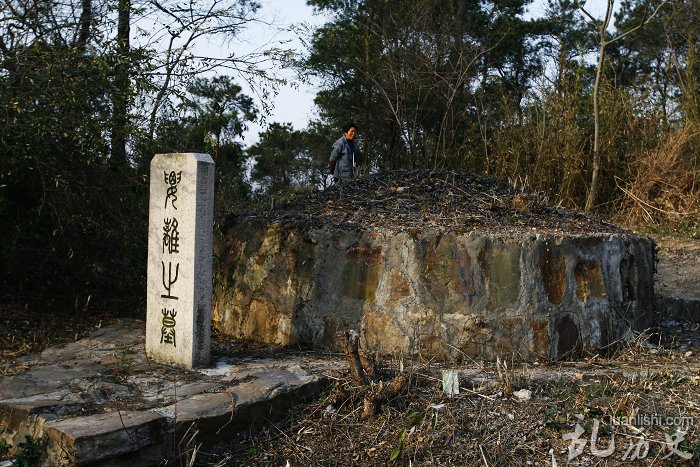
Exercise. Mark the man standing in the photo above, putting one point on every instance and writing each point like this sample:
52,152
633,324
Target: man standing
345,154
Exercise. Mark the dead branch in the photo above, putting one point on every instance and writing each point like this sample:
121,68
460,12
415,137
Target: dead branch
382,394
364,371
349,342
368,365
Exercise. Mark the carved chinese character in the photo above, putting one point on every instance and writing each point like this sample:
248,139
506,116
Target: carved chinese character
594,442
167,284
577,443
637,450
172,179
167,330
673,442
171,236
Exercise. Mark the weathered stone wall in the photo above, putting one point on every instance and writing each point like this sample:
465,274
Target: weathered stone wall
444,295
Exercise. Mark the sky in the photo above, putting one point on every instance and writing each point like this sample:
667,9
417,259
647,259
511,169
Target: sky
294,104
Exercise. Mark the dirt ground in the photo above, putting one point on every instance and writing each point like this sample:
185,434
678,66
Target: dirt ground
678,269
638,404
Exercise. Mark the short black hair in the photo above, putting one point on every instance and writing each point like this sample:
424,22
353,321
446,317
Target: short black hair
349,125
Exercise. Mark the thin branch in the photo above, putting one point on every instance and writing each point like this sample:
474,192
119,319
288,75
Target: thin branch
643,23
644,203
594,21
168,12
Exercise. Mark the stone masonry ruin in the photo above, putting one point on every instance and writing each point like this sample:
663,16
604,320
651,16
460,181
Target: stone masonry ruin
437,264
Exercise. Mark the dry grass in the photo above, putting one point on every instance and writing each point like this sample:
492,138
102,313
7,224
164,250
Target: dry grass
483,425
24,331
486,424
666,188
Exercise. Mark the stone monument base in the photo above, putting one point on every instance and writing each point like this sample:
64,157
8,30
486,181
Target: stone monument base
434,294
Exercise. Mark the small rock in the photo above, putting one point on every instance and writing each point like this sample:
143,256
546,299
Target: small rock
523,394
689,353
450,382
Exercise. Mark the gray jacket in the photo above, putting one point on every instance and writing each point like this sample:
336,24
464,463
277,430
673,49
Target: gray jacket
342,152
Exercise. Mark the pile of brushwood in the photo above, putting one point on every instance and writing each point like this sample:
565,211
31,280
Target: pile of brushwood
637,406
406,200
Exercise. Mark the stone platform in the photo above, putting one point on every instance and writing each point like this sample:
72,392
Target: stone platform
441,265
433,294
101,401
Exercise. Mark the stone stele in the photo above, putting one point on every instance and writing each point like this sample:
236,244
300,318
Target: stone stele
181,214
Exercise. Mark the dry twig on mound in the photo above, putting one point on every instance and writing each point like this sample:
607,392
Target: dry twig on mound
349,342
364,373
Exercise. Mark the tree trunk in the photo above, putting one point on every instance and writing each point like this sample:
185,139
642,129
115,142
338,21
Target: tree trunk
593,189
85,23
120,98
368,88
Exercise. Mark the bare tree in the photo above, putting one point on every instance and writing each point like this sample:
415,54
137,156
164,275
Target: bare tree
420,78
178,27
601,26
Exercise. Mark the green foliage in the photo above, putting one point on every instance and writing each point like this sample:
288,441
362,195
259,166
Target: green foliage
284,158
29,453
413,419
124,358
474,86
398,451
58,242
417,75
217,107
211,118
691,447
73,98
251,451
555,420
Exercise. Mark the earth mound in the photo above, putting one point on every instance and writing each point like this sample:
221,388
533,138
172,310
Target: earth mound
442,200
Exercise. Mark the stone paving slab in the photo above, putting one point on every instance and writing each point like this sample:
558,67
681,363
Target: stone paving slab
15,414
100,401
85,440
